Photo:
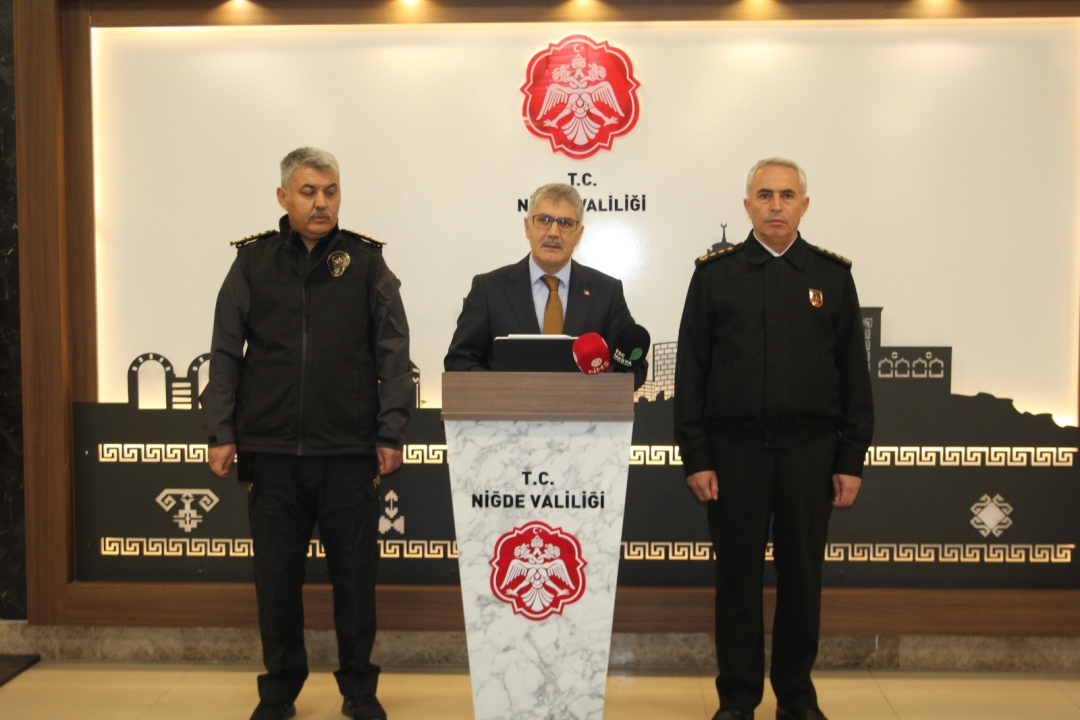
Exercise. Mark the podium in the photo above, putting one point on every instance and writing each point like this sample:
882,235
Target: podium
538,467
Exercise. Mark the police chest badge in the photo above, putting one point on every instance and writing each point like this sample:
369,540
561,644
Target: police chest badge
816,298
338,261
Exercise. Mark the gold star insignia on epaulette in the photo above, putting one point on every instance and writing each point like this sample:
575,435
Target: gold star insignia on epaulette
831,254
251,238
364,238
709,257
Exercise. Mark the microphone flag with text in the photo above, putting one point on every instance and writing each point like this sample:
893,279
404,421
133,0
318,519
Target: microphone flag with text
591,354
631,345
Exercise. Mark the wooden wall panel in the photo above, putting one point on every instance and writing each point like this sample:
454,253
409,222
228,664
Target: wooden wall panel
78,149
55,176
121,13
46,328
637,610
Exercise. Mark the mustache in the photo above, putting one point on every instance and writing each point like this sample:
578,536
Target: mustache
325,214
553,243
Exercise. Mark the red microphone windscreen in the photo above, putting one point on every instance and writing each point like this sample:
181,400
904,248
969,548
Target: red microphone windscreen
591,354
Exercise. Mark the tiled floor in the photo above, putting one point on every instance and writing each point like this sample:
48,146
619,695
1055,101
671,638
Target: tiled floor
123,691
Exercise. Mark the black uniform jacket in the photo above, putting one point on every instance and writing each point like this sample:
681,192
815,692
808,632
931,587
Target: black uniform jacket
771,354
305,362
501,303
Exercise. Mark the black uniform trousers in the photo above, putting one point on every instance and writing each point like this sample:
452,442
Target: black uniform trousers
289,496
791,491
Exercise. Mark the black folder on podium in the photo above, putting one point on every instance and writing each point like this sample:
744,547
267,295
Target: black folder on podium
533,353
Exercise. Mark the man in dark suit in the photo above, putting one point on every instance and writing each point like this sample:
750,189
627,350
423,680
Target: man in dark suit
546,291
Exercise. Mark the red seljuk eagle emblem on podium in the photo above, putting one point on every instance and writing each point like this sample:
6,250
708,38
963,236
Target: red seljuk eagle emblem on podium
538,570
580,95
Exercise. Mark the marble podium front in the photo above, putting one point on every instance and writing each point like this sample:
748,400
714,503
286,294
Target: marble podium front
538,514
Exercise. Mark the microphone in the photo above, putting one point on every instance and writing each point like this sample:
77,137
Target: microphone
591,354
630,347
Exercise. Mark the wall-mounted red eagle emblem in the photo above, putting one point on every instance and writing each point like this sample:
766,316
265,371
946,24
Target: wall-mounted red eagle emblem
580,95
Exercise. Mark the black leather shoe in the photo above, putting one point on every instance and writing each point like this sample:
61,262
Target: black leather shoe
809,714
273,710
363,707
733,715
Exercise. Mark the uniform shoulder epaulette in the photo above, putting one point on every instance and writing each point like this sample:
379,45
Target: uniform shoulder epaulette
709,257
363,238
831,255
251,238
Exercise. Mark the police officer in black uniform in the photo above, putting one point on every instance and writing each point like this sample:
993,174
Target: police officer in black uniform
773,416
310,382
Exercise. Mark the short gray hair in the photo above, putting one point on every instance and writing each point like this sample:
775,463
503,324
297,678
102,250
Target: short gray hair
559,192
783,162
306,157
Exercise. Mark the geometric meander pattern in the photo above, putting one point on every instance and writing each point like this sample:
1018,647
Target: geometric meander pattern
175,547
651,455
659,455
971,456
949,553
639,455
631,551
151,453
424,454
875,552
242,548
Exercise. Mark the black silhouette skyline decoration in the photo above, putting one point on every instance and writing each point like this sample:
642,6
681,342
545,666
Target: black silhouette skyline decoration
959,491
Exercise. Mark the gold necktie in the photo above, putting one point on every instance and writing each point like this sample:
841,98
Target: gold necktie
553,320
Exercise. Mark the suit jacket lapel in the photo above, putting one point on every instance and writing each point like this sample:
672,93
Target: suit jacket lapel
578,301
520,300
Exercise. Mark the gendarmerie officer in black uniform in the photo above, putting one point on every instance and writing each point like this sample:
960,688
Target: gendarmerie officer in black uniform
316,406
773,416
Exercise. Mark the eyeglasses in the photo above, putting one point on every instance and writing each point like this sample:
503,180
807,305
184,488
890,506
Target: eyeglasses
543,222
